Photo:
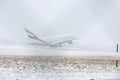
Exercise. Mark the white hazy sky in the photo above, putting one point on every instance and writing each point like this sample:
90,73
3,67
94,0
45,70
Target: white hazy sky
95,22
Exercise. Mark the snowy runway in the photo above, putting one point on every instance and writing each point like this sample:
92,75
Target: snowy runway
58,68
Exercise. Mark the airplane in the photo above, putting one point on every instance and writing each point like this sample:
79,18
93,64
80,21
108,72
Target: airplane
55,41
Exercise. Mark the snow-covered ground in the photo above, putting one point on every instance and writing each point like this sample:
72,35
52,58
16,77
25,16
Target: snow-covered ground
9,74
21,67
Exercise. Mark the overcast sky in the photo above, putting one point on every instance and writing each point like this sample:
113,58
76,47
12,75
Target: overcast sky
95,22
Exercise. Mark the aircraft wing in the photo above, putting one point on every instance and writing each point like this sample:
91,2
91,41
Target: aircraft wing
63,40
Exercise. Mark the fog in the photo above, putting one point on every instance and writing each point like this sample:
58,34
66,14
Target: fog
95,22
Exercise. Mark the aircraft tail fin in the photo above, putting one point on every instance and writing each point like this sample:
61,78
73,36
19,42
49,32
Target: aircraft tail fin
33,36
